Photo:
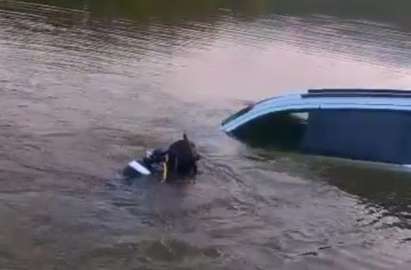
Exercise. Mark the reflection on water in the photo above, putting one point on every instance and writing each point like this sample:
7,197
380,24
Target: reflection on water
377,9
382,187
289,52
86,85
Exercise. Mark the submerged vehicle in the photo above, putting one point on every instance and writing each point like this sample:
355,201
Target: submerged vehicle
359,124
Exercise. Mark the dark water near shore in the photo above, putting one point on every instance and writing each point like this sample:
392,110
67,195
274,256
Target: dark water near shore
86,85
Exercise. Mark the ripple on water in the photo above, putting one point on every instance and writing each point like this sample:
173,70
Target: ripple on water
83,93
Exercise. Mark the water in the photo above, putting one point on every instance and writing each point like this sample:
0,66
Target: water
86,85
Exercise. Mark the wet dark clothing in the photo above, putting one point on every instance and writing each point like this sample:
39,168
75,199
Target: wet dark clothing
182,158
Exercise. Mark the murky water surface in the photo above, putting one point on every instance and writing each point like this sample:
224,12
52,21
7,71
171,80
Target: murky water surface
88,85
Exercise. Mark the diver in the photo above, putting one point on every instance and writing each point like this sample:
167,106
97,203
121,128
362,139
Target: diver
177,162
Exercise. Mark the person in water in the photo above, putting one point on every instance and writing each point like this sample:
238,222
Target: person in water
178,161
